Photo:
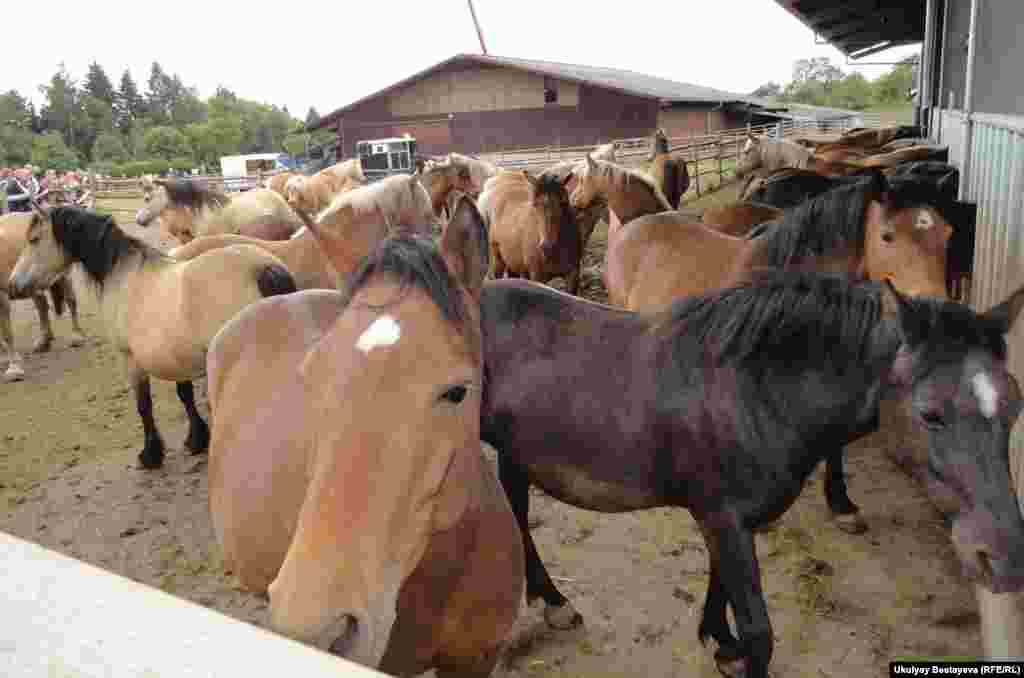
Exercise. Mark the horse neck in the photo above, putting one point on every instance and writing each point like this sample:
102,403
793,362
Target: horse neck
778,155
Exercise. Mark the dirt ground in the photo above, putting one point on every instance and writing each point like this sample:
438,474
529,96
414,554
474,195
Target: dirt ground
841,605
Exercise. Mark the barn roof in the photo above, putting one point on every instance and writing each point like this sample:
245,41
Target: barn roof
628,82
858,28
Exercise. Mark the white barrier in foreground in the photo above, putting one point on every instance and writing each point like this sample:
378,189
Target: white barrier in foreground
62,618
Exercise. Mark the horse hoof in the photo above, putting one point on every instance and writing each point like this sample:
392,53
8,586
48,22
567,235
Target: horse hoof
730,664
851,523
562,617
14,373
150,460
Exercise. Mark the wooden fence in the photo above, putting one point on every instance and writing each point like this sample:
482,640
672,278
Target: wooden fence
708,155
64,617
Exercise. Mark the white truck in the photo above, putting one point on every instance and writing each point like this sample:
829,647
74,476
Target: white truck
238,170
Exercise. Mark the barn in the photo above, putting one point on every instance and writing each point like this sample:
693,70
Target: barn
474,103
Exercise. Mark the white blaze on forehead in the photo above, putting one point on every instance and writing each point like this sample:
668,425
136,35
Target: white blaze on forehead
985,391
924,220
747,146
383,331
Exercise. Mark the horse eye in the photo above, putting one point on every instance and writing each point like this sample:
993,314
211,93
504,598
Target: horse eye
888,237
933,419
456,394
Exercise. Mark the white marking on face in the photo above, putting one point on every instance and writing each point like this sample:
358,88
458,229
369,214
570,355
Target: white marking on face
747,146
383,331
924,220
985,391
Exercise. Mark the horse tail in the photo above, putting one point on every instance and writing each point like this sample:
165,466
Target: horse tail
57,294
275,280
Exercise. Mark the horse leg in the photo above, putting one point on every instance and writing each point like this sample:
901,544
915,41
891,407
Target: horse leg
846,513
741,579
499,263
472,667
572,281
559,612
45,327
713,621
152,454
198,440
77,335
15,371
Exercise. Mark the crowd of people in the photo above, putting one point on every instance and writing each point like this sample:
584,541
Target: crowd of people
19,187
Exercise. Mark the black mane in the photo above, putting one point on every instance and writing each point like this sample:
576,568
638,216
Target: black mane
95,241
779,319
417,264
822,224
193,195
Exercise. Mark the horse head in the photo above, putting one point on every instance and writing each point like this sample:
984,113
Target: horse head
550,200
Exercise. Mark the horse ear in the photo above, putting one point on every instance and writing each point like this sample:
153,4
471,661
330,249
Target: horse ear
913,318
327,236
530,178
591,164
1003,315
465,246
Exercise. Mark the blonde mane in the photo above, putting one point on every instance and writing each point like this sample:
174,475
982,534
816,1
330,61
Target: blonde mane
480,170
621,177
605,152
401,200
350,169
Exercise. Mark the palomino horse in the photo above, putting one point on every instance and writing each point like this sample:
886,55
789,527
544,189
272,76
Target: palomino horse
479,170
767,154
13,228
628,193
443,177
668,173
357,494
355,221
160,314
725,403
351,169
531,228
607,152
316,193
737,219
190,209
278,182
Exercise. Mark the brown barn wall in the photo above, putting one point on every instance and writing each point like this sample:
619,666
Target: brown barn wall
690,121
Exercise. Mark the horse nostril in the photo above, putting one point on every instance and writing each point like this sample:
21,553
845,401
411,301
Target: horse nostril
346,642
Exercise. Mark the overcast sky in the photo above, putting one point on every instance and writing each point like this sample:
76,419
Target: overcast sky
287,55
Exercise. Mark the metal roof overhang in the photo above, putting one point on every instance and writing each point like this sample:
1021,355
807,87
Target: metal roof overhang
858,28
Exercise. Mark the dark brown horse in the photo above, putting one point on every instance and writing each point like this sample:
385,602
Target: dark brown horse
724,404
668,173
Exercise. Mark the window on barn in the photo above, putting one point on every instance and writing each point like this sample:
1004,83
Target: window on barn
550,90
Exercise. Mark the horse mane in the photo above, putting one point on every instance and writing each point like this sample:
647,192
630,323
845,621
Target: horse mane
821,224
624,176
96,241
193,195
776,319
416,263
384,194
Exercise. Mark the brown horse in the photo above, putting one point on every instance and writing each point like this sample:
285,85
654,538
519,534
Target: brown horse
160,314
531,225
13,228
189,209
351,170
357,496
668,173
316,193
586,219
278,182
355,221
737,219
443,177
479,170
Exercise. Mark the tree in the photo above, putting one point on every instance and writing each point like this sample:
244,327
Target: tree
15,145
854,92
110,148
50,152
897,83
166,142
61,110
15,109
130,104
769,89
312,117
98,85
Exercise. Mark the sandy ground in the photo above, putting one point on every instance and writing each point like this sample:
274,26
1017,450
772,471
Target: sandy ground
841,605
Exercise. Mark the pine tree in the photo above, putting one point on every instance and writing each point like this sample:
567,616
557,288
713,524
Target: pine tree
312,117
98,85
129,105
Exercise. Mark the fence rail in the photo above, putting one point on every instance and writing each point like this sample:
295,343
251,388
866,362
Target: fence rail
68,618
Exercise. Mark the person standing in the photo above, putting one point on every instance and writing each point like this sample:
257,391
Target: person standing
21,188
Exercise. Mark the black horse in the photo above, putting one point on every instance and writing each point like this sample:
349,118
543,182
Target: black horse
724,404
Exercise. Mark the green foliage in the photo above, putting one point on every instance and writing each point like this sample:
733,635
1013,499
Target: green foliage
109,147
165,142
140,167
50,152
818,83
15,145
98,85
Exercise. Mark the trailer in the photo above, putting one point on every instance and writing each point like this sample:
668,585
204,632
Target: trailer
381,158
237,170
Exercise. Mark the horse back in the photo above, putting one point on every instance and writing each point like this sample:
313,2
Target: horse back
259,428
13,228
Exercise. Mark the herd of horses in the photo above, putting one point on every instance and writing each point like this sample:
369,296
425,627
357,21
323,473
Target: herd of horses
360,340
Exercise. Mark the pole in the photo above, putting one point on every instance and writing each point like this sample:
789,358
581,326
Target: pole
968,126
476,22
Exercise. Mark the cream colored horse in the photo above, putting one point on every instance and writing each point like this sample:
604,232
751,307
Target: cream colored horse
13,228
160,314
479,170
350,169
606,152
188,210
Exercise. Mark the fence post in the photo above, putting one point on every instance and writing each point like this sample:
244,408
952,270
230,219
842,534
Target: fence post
721,171
696,171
